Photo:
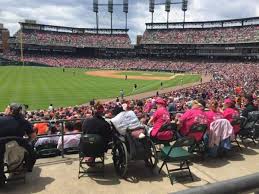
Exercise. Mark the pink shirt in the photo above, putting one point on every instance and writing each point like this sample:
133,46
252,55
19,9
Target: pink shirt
190,117
213,116
161,117
147,107
230,114
220,130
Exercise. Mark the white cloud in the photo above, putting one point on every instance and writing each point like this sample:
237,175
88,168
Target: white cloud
79,13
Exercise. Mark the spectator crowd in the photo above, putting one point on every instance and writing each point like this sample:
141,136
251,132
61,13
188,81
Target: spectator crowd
233,88
226,35
234,85
230,80
79,40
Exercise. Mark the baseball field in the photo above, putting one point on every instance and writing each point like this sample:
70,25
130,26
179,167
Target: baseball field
40,86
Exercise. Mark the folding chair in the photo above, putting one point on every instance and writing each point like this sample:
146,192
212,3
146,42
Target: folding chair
197,131
171,127
177,154
91,145
238,121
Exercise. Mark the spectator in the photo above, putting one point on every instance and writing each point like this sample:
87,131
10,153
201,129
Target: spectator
249,105
193,116
48,140
159,118
70,141
14,125
214,112
230,113
97,125
126,120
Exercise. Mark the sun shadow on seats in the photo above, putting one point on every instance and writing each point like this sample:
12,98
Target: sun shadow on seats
250,144
108,178
34,183
57,160
139,173
222,160
248,151
182,177
136,173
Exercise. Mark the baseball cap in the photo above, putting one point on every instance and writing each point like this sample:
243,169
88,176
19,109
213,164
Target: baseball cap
228,101
15,107
160,101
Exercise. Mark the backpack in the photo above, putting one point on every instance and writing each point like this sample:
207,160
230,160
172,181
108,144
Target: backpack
14,155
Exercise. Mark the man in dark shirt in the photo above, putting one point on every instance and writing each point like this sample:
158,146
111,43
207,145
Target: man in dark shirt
14,125
98,125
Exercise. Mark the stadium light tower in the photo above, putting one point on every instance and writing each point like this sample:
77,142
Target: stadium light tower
126,10
95,9
167,9
110,9
184,8
152,9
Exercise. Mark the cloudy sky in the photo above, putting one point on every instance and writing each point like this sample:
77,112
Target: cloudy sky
78,13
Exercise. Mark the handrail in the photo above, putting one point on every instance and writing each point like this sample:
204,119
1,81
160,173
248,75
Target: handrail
237,185
57,120
62,134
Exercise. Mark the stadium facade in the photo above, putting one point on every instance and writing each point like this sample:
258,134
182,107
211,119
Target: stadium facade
223,39
4,36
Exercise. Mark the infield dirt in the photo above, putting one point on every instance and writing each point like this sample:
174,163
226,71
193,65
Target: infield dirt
115,74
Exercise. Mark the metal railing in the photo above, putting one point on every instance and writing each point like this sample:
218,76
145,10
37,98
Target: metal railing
62,132
243,184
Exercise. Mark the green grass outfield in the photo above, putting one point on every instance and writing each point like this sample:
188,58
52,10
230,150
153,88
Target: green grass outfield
40,86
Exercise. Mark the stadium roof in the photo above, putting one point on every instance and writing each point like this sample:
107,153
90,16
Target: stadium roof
45,27
205,24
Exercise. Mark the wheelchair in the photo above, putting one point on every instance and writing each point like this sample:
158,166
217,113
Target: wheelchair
130,147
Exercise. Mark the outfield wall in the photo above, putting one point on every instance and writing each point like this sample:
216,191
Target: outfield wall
4,62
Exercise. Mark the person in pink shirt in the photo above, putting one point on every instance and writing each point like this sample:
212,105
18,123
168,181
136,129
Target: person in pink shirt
160,117
230,113
192,116
214,113
148,106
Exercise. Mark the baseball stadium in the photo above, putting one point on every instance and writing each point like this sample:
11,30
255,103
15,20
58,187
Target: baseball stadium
150,107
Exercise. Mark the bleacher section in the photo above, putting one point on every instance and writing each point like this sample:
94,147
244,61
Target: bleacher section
59,36
225,39
227,35
48,38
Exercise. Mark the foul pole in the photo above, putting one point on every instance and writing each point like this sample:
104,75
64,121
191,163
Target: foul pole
21,49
